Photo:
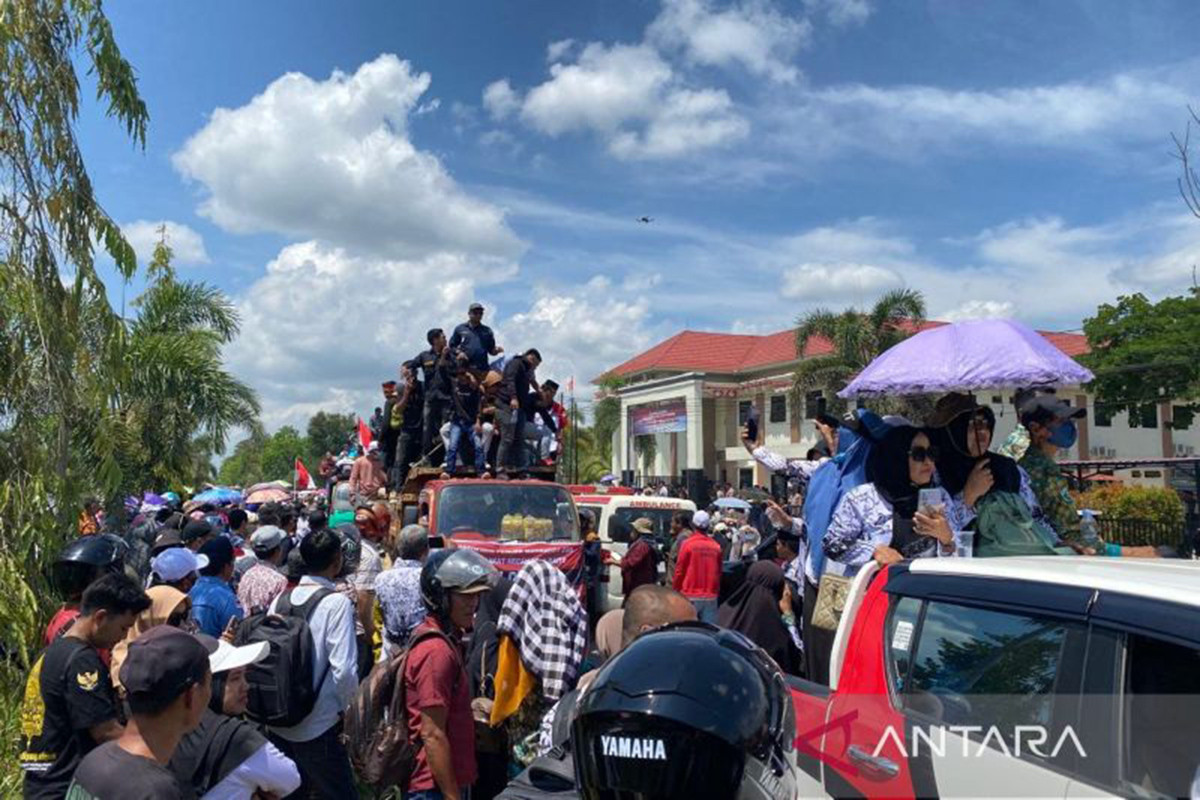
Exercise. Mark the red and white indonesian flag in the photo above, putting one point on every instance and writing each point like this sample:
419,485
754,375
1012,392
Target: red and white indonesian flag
303,479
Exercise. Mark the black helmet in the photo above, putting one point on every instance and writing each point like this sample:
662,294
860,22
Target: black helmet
351,547
84,560
445,570
688,710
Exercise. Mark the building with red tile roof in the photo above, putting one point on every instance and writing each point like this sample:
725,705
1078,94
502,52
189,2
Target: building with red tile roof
692,392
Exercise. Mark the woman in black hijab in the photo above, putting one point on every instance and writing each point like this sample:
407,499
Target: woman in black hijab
962,432
753,611
879,520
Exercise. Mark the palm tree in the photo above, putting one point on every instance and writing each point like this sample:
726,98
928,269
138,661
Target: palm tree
857,337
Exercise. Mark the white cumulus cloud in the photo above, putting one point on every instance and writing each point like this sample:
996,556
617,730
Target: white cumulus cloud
979,309
500,100
187,246
842,12
753,35
839,283
332,160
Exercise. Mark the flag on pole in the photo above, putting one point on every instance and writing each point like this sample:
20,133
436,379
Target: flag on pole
571,385
364,434
303,479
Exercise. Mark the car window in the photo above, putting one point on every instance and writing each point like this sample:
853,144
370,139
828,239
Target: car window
620,523
996,670
1161,713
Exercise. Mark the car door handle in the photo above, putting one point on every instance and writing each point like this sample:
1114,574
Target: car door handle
879,765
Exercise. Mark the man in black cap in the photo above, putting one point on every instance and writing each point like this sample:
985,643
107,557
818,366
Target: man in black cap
196,534
70,706
168,684
475,340
213,602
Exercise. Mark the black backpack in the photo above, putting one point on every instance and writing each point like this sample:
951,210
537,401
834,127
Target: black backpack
282,692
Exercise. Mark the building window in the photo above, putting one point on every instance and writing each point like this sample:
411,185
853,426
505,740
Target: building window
1102,415
745,478
814,404
997,399
779,408
743,411
1181,417
1148,416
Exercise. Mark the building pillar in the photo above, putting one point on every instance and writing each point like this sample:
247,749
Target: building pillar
794,416
621,449
1085,452
694,401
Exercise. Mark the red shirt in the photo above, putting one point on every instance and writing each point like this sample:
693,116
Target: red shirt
698,572
637,567
434,678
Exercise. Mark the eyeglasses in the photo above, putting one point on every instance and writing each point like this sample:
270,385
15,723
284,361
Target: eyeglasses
920,454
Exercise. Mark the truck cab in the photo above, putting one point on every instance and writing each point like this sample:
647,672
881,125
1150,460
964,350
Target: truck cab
1021,677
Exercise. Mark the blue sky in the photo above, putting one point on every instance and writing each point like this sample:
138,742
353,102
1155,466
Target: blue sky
354,174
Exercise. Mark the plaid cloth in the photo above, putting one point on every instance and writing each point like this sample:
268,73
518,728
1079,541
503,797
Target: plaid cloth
546,622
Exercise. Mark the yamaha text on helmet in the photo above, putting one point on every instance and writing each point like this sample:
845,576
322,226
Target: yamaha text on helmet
447,571
688,710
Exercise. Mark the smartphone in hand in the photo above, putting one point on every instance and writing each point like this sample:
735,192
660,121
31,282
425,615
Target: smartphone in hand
752,424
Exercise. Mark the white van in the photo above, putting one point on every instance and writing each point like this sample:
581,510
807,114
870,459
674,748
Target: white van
614,515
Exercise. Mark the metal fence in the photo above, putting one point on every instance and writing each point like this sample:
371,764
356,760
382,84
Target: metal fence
1133,532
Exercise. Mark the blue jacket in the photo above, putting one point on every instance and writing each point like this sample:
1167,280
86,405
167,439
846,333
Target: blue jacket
213,604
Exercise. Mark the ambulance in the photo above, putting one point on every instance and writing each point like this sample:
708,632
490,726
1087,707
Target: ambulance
614,514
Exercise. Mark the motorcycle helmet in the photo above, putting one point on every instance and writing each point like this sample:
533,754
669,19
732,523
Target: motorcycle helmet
688,710
84,560
459,570
351,547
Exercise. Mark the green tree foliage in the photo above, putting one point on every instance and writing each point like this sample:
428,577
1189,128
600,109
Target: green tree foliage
607,413
63,431
327,433
1144,352
1152,503
856,337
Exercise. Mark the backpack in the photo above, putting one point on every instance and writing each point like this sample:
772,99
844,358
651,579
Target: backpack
1005,527
375,727
282,692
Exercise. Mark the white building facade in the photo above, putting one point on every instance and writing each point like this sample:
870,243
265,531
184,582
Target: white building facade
690,395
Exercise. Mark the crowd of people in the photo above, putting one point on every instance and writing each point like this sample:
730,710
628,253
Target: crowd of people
461,404
228,653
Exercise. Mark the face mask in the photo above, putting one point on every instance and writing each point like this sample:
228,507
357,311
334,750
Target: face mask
1064,435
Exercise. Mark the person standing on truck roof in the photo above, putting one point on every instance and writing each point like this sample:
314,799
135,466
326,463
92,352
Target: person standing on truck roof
879,520
475,340
387,433
514,404
438,365
411,411
698,572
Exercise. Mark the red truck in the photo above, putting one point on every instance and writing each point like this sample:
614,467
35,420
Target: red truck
1021,677
510,522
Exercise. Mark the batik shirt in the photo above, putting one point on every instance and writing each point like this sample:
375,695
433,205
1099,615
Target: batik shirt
863,521
1050,488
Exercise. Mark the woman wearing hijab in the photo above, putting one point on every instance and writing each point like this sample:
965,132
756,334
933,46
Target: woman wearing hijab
168,606
1015,523
879,520
226,757
754,611
543,636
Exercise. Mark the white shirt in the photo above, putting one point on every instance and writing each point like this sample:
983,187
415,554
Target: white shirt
267,769
332,626
795,468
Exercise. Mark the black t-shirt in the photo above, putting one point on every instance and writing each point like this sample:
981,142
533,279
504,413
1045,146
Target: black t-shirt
68,692
414,412
110,773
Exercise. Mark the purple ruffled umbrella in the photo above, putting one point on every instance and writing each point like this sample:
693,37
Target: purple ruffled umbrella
966,357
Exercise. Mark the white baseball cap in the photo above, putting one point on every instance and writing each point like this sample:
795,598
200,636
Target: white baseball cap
700,520
177,563
227,657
